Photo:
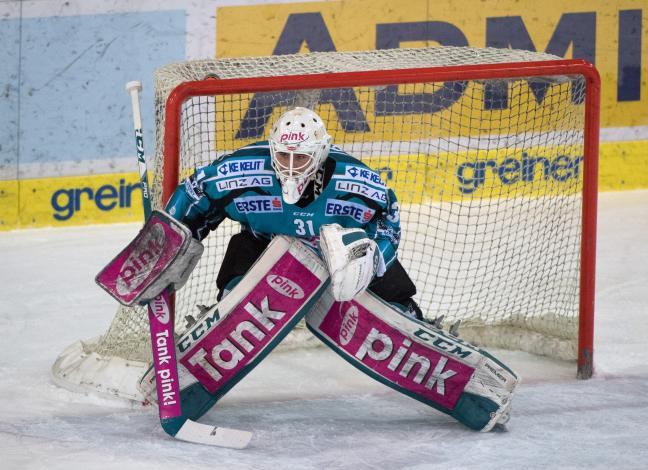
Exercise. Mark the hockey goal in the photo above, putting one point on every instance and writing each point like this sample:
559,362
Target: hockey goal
492,154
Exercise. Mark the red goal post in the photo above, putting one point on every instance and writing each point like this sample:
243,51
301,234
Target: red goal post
214,86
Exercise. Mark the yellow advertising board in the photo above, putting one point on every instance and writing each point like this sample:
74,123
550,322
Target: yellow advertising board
73,200
84,200
612,35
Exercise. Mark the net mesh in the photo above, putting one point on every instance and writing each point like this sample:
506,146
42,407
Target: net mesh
488,175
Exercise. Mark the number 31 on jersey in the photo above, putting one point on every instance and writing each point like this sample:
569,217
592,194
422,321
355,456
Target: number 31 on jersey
304,228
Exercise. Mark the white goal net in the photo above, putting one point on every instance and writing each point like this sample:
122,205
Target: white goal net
487,150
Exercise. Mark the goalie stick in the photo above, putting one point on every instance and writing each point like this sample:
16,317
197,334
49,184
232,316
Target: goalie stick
161,322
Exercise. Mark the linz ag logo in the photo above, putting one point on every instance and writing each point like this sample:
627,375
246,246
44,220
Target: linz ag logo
258,204
245,182
239,167
362,189
357,212
363,174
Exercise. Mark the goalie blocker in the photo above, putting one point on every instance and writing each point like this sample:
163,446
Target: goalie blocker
416,359
162,255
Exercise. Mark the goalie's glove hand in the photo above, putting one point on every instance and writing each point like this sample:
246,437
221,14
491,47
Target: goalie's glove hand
352,259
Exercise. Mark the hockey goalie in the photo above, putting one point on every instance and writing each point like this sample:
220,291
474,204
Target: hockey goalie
319,239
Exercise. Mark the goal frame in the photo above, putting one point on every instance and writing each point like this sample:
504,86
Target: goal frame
514,70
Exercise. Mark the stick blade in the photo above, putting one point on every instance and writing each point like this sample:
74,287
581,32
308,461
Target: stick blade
198,433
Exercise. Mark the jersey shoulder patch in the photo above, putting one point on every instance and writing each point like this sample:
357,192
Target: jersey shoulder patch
353,177
352,168
225,164
248,167
356,170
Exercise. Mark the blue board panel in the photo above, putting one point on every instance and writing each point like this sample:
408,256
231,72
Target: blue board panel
9,65
73,103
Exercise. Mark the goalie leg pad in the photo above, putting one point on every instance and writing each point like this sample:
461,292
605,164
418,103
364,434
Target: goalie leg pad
416,359
163,254
238,333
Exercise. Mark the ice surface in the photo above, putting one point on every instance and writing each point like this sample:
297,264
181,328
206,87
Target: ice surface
309,409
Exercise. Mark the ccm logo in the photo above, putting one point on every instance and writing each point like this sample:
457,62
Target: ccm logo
285,286
348,326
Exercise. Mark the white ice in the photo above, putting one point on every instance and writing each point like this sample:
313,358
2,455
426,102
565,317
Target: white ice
309,409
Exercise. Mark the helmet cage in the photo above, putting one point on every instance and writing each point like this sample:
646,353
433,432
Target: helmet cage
298,132
290,170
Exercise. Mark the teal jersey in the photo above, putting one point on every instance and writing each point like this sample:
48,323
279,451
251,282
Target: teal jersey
242,186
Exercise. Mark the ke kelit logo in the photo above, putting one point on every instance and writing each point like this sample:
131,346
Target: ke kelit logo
285,286
362,174
245,182
239,168
222,353
411,366
292,137
362,189
358,212
141,261
258,204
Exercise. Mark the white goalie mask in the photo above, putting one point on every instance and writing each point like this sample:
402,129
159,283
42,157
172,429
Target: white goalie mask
299,145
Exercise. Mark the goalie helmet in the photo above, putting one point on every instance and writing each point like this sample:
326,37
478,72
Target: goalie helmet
299,145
